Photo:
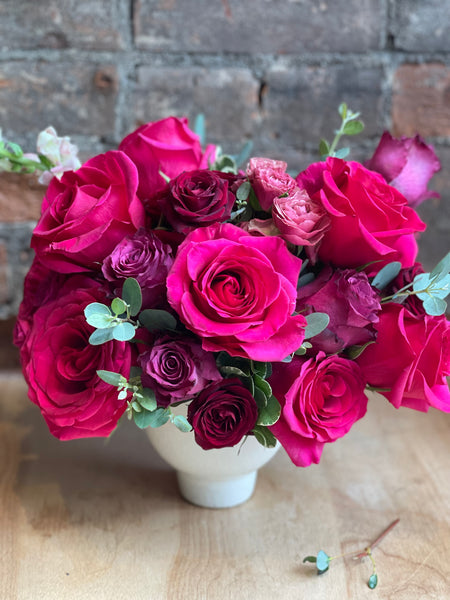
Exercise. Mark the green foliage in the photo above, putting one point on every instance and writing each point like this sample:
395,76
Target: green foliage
115,379
322,562
264,436
386,275
316,323
350,125
154,418
373,581
156,320
200,128
132,295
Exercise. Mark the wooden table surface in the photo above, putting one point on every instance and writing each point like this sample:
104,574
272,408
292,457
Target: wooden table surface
96,519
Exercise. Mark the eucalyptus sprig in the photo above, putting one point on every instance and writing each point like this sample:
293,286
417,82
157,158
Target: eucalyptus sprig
350,125
322,560
13,159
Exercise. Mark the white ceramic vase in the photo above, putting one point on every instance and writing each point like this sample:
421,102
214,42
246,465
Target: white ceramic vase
217,478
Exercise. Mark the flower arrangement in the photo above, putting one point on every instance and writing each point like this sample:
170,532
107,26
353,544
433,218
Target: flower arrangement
268,304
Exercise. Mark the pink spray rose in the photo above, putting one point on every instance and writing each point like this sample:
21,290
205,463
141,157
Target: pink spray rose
60,365
411,357
321,398
87,212
269,180
198,198
300,220
147,259
222,414
237,292
408,164
351,303
168,146
370,221
177,369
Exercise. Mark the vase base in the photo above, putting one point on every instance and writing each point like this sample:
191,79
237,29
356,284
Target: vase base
223,493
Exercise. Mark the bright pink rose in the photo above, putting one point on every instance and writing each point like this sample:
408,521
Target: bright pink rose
269,180
408,164
411,357
237,292
198,198
60,365
168,146
177,369
370,220
222,414
321,398
87,212
351,303
300,220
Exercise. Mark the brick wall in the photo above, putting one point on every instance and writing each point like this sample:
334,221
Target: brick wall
270,71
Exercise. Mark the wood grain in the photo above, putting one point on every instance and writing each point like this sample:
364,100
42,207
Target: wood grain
91,519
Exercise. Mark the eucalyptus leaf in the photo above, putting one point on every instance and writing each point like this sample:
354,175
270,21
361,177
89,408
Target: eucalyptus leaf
442,268
342,152
243,191
244,154
343,110
316,323
118,306
322,561
156,319
131,293
386,275
270,414
154,418
324,148
354,352
305,279
96,308
115,379
425,285
182,423
264,436
373,581
200,128
146,398
101,336
123,332
100,321
434,306
353,127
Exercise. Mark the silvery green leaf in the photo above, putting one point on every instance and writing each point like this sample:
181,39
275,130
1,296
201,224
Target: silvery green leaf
146,398
182,423
353,127
131,293
305,279
442,268
155,319
123,332
154,418
115,379
386,275
200,128
270,413
100,321
434,306
243,191
425,285
118,306
342,153
100,336
322,561
96,308
373,580
316,323
122,395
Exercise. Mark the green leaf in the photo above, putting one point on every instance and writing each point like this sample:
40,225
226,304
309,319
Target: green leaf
260,368
115,379
200,128
154,418
353,127
311,559
342,152
96,308
243,191
354,352
324,148
263,385
146,398
225,360
264,436
15,149
123,332
259,396
270,413
343,110
118,306
434,306
235,371
300,351
155,319
322,561
442,268
131,293
316,323
305,279
424,285
244,154
386,275
101,321
373,580
101,336
182,423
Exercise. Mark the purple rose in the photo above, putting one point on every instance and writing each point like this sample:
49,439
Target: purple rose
237,292
351,303
177,369
144,257
222,414
198,198
408,164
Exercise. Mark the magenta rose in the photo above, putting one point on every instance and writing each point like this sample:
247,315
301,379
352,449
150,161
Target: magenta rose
321,398
408,164
351,303
237,292
198,198
269,180
144,257
87,212
177,369
168,146
411,358
300,220
370,221
222,414
60,365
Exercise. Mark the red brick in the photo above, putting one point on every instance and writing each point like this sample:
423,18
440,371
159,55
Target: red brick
421,100
20,197
31,24
277,26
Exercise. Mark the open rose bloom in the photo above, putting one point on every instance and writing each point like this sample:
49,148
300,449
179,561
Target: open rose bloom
266,302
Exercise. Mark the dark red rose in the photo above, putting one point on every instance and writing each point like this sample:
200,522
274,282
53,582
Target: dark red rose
222,414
